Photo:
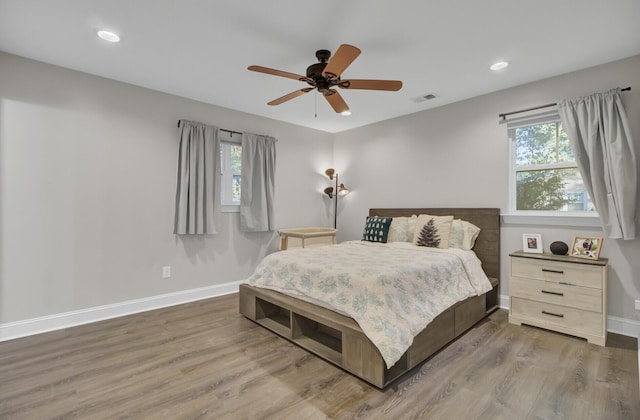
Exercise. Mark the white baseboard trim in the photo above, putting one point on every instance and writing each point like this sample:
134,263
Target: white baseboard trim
505,302
11,330
622,326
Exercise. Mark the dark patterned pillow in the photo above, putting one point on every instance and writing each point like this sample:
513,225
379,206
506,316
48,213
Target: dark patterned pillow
376,229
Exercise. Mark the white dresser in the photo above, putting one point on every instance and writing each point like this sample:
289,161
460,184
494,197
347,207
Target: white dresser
559,293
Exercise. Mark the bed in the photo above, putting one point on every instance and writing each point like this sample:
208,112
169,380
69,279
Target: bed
336,337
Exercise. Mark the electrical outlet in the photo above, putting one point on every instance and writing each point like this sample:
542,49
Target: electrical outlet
637,304
166,271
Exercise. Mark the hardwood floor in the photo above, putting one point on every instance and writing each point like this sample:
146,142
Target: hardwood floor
204,360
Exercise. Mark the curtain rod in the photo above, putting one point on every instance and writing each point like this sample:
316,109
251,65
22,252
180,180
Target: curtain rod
504,116
221,129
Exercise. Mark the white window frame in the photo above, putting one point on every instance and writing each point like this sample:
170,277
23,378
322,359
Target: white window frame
546,217
226,174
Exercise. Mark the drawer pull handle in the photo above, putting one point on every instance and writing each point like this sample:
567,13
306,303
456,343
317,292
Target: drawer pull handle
553,271
552,314
566,284
552,293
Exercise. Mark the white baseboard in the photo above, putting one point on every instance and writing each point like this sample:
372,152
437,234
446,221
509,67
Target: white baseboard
505,301
11,330
622,326
43,324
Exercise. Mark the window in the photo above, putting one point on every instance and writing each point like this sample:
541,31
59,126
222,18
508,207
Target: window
231,171
544,174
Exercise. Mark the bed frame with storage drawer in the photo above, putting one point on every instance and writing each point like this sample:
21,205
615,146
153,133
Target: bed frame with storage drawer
339,339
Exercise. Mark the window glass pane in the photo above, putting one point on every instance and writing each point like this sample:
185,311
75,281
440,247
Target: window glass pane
236,188
554,189
230,173
236,158
542,144
565,154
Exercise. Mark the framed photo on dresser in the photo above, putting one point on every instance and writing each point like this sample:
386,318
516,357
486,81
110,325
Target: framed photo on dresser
586,247
532,242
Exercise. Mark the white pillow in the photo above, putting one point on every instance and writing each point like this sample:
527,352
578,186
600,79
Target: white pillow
456,238
471,233
433,231
401,229
412,227
463,234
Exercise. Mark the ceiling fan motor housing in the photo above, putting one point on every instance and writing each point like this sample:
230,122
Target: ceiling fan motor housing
323,55
314,72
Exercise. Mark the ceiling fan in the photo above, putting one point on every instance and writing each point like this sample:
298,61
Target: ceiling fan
324,75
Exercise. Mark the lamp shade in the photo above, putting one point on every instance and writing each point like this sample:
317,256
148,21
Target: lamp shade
342,190
329,172
329,191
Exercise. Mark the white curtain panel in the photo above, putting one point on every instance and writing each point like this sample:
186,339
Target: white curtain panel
258,183
600,137
197,189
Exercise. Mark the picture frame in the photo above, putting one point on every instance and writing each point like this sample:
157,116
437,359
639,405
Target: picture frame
532,242
586,247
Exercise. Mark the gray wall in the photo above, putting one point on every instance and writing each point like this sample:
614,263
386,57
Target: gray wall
457,155
87,184
87,188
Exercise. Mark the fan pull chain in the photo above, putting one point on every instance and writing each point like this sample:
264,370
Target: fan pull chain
315,97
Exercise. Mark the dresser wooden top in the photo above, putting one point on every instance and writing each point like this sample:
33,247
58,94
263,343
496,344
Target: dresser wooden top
562,258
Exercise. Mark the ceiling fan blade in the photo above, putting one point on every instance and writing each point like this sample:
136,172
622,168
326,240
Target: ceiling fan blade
290,96
343,57
371,84
275,72
335,100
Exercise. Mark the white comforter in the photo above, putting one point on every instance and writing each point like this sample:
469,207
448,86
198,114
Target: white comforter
391,290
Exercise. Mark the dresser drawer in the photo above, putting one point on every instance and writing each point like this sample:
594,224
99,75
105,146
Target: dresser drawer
586,298
558,272
551,316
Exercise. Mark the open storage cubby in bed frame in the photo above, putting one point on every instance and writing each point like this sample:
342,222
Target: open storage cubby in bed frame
339,339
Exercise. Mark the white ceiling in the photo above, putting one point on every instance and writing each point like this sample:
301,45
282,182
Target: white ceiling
200,49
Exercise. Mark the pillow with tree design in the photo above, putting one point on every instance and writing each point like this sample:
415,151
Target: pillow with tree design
376,229
433,231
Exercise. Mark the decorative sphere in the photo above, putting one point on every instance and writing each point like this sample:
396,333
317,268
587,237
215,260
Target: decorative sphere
559,248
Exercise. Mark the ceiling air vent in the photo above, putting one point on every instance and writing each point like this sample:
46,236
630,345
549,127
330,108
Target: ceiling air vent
427,97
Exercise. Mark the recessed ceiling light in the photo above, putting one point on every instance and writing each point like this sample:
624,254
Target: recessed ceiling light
499,65
109,36
345,113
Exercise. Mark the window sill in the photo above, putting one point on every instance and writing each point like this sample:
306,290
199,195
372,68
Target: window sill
230,209
592,221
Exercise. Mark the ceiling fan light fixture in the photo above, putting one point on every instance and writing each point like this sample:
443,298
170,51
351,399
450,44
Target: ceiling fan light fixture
108,36
499,65
346,113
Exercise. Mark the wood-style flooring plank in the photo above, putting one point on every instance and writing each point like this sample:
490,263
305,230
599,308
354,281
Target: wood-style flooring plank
204,360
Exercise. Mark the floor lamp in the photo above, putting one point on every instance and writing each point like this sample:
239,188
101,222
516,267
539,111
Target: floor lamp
340,191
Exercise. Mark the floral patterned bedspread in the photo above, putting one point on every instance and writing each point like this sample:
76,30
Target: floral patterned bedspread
391,290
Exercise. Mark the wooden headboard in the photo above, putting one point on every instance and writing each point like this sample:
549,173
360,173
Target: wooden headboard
487,246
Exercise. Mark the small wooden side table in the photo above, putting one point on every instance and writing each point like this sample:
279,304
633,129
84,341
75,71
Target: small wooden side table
306,237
